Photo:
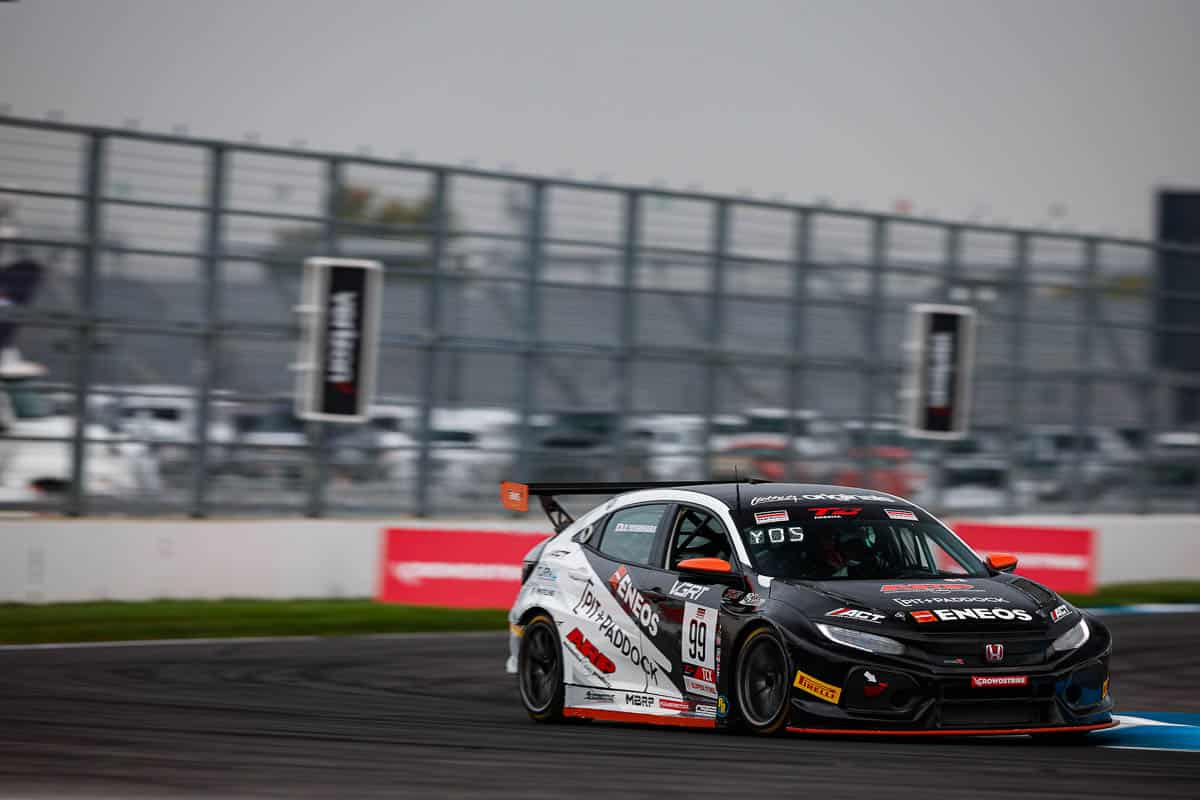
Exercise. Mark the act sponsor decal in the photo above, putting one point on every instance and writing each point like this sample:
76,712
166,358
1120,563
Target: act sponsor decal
639,700
761,517
908,602
998,681
687,591
948,586
1060,612
817,688
674,705
599,697
591,607
900,513
836,497
589,651
637,605
834,512
957,614
855,613
873,687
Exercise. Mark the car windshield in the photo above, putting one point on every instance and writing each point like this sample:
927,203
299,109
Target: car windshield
859,549
29,403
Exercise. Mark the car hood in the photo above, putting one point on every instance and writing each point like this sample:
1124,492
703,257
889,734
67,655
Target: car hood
920,606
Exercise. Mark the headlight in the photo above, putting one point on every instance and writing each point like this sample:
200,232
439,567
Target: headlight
1072,639
861,641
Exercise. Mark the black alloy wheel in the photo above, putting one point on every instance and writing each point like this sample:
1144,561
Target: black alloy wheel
539,670
763,687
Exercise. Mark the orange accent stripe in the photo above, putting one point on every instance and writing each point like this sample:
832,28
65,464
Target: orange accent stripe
629,716
965,732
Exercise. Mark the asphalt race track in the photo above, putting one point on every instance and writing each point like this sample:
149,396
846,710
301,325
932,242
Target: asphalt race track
435,716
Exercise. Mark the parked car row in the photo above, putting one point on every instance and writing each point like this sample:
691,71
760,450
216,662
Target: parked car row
142,439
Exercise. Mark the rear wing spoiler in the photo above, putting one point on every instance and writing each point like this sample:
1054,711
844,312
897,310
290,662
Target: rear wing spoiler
515,496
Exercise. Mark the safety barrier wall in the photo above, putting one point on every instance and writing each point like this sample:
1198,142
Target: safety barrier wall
71,560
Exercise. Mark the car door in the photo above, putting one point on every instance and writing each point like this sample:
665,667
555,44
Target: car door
689,602
608,638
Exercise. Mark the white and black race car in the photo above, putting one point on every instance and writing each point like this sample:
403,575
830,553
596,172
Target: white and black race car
771,607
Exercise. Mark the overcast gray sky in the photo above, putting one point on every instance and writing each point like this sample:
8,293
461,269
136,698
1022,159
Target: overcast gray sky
999,108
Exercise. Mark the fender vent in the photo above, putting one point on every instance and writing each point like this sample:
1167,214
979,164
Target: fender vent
1039,595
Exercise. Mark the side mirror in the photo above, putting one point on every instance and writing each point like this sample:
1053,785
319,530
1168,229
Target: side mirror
1002,562
716,566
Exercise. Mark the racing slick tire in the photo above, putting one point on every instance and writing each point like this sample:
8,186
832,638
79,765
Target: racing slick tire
540,670
762,691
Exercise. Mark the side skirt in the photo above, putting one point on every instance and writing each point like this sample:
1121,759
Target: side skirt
963,732
631,716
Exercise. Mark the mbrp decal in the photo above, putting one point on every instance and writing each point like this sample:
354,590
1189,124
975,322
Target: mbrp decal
637,605
890,588
957,614
590,606
826,691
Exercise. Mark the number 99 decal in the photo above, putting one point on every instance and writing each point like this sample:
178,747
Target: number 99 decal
698,635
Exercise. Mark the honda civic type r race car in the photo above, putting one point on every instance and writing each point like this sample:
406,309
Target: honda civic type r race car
818,609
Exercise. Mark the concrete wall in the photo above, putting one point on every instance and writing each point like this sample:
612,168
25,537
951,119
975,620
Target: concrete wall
64,560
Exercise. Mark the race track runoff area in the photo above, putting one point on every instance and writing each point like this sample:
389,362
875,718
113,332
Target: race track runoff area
435,716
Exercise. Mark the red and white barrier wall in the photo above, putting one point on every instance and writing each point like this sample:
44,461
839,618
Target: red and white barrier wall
45,560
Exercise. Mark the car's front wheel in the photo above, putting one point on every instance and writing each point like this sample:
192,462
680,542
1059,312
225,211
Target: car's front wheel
539,670
762,683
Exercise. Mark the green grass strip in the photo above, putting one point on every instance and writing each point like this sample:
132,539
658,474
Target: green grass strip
181,619
1124,594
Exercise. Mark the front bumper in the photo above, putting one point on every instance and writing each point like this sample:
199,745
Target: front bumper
876,694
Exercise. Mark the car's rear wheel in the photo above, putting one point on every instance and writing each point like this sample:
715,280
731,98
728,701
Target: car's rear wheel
539,670
763,689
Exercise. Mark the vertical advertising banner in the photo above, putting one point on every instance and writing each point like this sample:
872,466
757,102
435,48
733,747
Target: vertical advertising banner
940,371
339,344
452,568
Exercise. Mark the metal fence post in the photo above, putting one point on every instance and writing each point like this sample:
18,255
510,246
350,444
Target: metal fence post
797,340
1016,366
532,333
627,334
85,335
210,337
1083,375
716,306
433,340
951,271
318,432
871,375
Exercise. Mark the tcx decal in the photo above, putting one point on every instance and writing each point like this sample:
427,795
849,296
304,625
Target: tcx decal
632,599
589,606
855,613
955,614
